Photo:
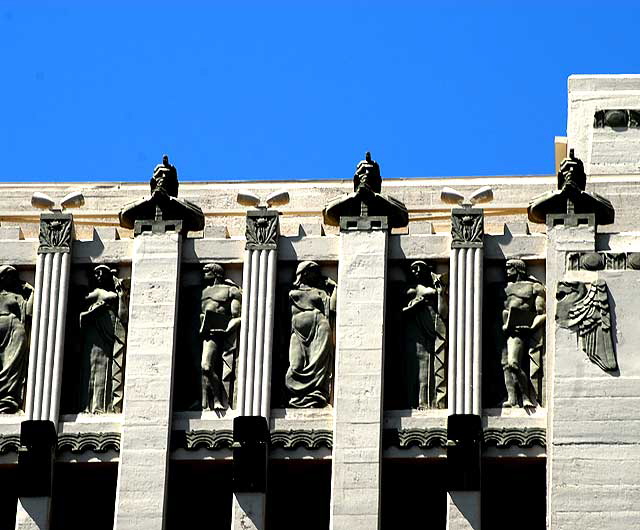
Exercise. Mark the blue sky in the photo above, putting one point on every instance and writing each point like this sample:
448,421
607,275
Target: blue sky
277,90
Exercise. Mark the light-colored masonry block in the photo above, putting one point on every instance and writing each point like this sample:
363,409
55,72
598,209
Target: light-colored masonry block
33,513
355,481
463,510
594,417
604,150
142,477
248,511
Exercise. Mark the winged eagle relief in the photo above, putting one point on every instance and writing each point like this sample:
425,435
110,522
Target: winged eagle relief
585,308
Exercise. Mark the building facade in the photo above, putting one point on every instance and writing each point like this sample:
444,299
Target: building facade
348,354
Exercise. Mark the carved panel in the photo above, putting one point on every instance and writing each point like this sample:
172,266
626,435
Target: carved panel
223,439
98,442
55,233
262,229
519,437
292,439
9,443
585,309
467,228
437,437
77,442
597,261
616,118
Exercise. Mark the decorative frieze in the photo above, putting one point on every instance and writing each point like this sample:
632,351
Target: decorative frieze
616,119
9,443
299,438
77,442
223,439
515,436
500,438
421,438
598,261
98,442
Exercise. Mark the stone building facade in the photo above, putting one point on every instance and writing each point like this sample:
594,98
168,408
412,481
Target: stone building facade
347,354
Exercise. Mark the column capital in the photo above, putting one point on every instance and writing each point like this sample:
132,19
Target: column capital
56,232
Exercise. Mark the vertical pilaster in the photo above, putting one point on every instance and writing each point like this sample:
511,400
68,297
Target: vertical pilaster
464,430
44,375
362,274
251,426
563,384
148,394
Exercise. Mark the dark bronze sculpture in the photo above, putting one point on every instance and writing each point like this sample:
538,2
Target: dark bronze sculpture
163,203
219,326
366,199
16,305
425,337
571,198
587,311
313,304
103,326
523,322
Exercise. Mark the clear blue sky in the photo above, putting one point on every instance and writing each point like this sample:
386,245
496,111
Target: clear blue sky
274,90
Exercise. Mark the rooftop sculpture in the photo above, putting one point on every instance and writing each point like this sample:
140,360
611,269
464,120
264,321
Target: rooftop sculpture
163,203
366,199
571,197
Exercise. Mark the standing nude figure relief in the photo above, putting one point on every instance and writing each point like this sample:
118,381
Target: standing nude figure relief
221,306
523,323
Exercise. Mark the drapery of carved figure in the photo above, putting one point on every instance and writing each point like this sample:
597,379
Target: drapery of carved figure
16,304
219,327
104,338
425,336
523,319
587,310
313,304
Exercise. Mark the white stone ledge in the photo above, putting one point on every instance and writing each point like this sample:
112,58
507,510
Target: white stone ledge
281,419
437,418
80,423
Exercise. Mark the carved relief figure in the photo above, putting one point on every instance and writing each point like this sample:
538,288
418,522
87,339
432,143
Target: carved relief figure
16,304
103,326
219,326
571,198
163,203
425,337
587,310
313,304
164,178
366,199
523,320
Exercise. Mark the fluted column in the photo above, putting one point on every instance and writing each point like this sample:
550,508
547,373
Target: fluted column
251,426
465,369
44,374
